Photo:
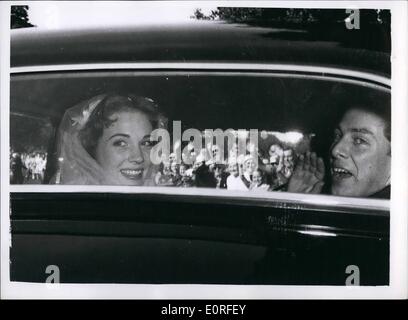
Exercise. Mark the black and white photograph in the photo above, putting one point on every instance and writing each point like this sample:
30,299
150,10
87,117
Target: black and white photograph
204,145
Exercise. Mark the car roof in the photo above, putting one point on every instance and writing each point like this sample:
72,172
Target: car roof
198,41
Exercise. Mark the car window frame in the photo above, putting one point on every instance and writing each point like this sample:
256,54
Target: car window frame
324,202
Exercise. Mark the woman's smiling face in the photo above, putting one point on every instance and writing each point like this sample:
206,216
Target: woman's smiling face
123,150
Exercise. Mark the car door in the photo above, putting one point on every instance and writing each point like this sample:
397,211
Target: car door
108,234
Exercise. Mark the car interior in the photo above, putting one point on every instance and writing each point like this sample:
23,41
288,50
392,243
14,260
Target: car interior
280,104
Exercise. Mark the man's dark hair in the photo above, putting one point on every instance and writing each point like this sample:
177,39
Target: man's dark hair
377,103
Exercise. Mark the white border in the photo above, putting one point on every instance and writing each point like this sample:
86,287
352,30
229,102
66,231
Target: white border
399,235
399,145
4,116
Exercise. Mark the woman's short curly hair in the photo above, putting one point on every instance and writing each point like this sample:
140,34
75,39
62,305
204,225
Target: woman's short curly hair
101,117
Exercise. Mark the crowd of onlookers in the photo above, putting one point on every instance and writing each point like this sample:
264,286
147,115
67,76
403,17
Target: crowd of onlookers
27,167
252,171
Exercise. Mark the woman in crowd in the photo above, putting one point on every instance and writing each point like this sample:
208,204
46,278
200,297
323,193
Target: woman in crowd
249,167
234,181
258,181
106,141
164,176
186,177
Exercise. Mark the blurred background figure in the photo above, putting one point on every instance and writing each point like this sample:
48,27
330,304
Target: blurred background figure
275,155
16,169
258,181
220,176
204,178
186,177
249,167
175,174
164,176
288,163
27,167
234,181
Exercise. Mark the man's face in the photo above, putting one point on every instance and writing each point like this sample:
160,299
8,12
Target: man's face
257,178
360,155
233,169
288,158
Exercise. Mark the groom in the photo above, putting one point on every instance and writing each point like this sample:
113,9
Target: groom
360,162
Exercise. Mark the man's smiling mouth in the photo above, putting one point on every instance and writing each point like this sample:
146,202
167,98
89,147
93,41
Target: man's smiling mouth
340,173
133,174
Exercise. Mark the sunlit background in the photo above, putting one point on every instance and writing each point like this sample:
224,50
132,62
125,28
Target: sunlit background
51,15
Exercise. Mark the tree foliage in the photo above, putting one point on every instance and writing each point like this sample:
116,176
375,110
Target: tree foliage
19,17
300,17
320,24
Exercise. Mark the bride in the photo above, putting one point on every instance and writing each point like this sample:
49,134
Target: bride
106,141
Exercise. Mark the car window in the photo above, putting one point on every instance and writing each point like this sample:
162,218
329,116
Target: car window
266,121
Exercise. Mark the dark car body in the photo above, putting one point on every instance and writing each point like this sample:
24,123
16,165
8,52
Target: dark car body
165,235
216,42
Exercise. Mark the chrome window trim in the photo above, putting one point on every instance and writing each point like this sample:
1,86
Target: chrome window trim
323,72
31,76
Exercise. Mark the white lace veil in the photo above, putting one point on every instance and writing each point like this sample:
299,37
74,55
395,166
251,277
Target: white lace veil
75,166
